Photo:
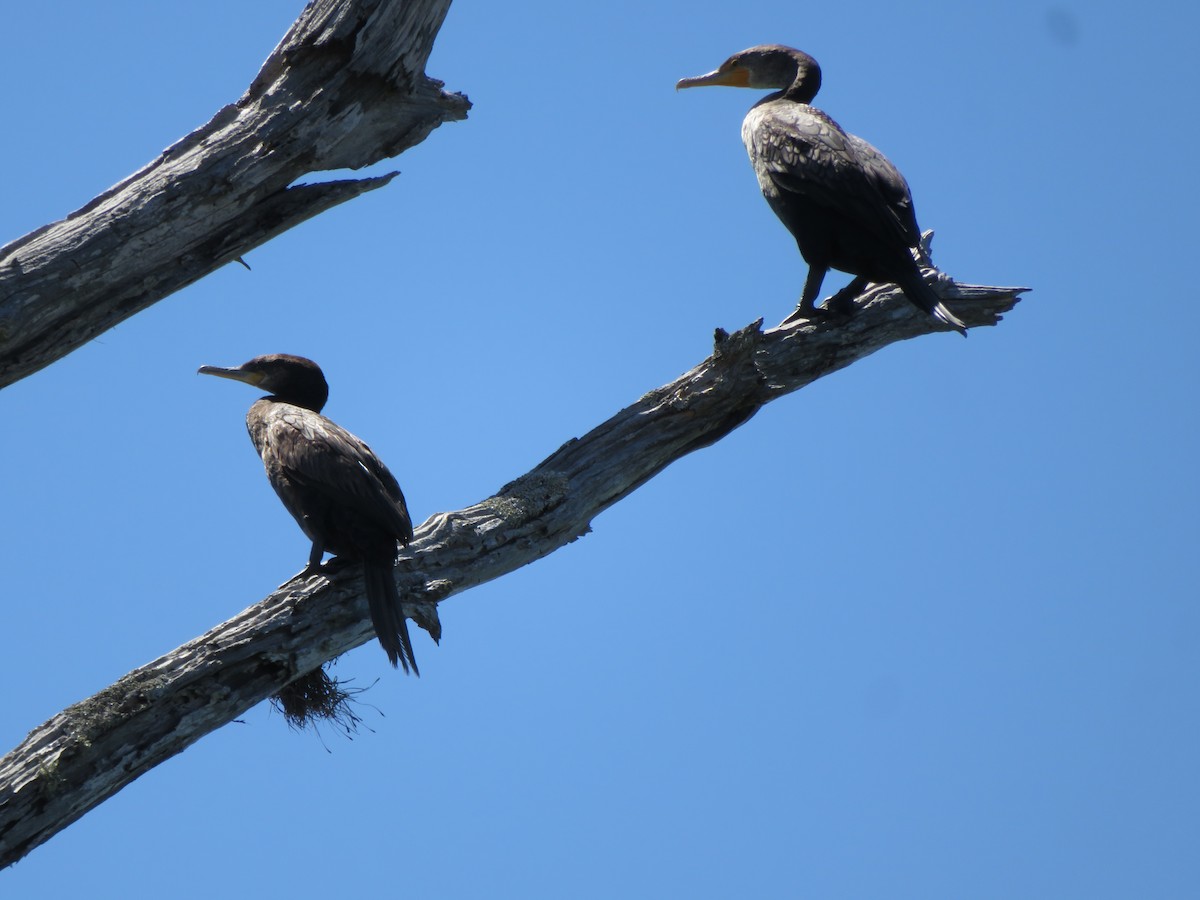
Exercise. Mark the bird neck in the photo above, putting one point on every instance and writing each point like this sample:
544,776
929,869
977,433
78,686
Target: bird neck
779,97
304,401
802,90
806,81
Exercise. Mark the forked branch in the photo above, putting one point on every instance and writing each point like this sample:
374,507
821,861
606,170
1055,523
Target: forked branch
345,88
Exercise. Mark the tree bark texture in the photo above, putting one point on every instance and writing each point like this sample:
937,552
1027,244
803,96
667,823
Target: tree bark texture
91,750
345,88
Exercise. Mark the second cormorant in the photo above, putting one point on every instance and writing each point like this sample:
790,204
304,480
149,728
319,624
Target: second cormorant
844,202
339,492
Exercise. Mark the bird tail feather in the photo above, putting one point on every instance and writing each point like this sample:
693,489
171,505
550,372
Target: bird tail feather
922,295
387,615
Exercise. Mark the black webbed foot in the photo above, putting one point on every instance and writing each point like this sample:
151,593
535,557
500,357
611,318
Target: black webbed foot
336,564
838,307
803,312
842,303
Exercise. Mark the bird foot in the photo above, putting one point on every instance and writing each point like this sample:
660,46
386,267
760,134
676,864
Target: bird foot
802,313
842,303
308,572
840,306
317,568
335,564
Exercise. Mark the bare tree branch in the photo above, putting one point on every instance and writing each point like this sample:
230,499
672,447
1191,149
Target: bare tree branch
91,750
345,88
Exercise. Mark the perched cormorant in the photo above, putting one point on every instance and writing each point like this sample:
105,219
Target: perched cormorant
847,206
339,492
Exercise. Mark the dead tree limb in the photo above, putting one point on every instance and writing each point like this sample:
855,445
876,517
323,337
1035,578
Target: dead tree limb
345,88
91,750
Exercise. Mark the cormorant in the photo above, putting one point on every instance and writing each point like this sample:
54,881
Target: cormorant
844,202
339,492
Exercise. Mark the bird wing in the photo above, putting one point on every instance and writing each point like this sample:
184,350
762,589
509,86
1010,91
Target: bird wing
891,184
321,456
798,149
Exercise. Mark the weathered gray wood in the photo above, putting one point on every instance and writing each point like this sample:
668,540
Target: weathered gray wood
345,88
91,750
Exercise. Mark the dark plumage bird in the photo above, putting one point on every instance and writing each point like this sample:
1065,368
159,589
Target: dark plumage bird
339,492
847,206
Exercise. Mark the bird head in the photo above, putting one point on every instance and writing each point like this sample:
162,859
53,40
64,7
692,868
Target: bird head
768,66
292,379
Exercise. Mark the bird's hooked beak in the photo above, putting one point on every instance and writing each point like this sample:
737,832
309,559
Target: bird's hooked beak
731,76
237,374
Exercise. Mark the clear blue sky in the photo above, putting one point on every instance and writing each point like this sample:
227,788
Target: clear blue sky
926,629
